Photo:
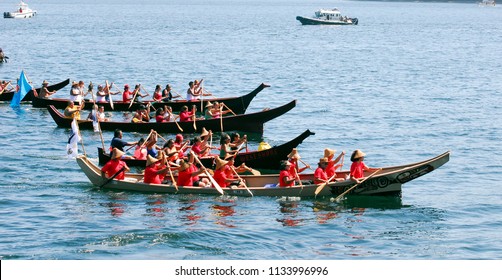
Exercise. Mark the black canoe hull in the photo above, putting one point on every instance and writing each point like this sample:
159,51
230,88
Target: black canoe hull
266,159
7,96
252,122
238,105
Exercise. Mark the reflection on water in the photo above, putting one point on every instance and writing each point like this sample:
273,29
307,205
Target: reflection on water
223,209
158,206
188,210
117,209
290,212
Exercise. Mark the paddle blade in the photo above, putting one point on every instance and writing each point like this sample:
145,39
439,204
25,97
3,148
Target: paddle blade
255,172
319,189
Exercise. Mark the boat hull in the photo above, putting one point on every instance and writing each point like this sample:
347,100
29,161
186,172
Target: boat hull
252,122
386,182
238,105
7,95
18,15
266,159
313,21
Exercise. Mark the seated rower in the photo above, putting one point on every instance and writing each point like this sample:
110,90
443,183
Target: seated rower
188,174
44,91
286,179
320,175
332,164
157,94
115,165
140,150
223,175
169,115
72,111
358,166
75,94
142,114
154,171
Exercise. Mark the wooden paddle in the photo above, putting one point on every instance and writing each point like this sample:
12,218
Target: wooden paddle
229,109
244,183
213,181
109,95
111,178
194,117
354,186
221,118
6,88
166,162
133,97
322,185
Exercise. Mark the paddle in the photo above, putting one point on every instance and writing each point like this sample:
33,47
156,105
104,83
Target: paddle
111,178
109,95
194,117
213,181
229,109
244,183
5,88
322,185
221,118
170,172
147,94
133,97
354,186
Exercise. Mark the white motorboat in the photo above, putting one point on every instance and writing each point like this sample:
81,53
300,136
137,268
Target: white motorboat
326,16
23,11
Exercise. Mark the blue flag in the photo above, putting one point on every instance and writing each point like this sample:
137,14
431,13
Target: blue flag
23,88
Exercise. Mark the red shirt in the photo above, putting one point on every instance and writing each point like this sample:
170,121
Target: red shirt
185,116
157,96
357,169
220,177
112,167
319,174
151,176
330,169
185,178
192,169
126,96
285,175
159,118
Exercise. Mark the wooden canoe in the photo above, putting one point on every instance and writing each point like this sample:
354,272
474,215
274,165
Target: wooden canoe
238,105
252,122
7,95
266,159
387,182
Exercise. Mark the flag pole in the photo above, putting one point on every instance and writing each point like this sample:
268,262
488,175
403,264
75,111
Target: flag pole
81,138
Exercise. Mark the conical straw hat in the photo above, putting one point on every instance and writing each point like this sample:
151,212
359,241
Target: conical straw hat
116,153
150,160
220,163
358,154
204,132
329,152
294,154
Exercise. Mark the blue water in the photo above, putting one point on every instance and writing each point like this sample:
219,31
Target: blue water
411,81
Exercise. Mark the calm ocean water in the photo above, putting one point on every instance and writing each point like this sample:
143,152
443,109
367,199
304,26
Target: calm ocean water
411,81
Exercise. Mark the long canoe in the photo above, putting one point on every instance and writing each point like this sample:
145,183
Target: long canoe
388,181
7,95
266,159
238,105
252,122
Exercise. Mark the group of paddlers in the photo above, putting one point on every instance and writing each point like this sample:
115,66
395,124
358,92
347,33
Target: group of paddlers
178,157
